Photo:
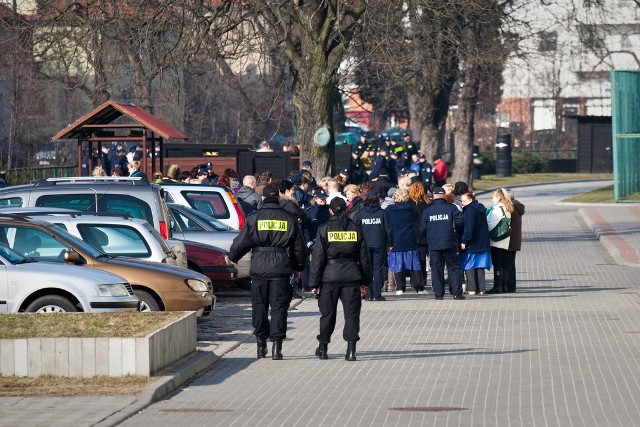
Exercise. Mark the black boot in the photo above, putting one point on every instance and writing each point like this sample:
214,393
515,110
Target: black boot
351,351
497,282
276,352
505,279
321,351
262,348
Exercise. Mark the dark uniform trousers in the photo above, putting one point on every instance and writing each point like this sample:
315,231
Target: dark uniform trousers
277,294
379,272
437,260
349,294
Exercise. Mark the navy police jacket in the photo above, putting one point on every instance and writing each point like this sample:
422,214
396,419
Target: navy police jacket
340,255
276,239
376,227
439,223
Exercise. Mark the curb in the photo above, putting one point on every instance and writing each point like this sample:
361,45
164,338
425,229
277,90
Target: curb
177,374
616,246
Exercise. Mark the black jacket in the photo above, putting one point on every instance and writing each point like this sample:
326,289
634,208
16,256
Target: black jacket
439,222
376,227
340,255
276,239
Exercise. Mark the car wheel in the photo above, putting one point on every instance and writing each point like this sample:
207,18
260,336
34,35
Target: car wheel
148,302
52,304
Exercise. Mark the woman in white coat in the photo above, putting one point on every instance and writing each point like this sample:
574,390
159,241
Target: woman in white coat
502,207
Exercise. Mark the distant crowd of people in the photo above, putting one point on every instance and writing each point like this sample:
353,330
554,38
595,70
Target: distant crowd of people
405,226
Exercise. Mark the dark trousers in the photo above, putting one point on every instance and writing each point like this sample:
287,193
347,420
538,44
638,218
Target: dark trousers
422,253
437,261
379,272
349,294
511,270
475,279
416,280
274,293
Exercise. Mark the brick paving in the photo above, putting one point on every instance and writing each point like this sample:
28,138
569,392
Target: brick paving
563,350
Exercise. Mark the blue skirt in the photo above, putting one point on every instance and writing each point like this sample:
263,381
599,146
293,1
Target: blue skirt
470,260
403,260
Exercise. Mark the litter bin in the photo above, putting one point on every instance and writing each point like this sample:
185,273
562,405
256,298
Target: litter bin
503,155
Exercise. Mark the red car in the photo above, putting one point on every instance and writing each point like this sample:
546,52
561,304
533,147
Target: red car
212,262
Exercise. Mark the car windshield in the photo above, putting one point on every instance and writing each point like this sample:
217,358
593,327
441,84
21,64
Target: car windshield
10,255
212,222
93,252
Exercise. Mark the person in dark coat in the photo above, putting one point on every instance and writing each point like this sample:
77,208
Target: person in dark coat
247,196
418,199
379,162
515,241
340,264
475,255
403,255
376,226
357,171
439,223
278,246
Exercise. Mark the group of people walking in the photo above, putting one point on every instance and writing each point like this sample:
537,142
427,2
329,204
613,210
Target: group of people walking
373,234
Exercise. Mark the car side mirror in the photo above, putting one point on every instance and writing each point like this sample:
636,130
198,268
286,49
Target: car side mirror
72,257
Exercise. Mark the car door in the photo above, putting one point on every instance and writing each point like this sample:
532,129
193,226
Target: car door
4,287
34,243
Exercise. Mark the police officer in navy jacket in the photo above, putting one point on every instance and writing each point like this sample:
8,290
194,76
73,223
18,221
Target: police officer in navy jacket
376,227
439,222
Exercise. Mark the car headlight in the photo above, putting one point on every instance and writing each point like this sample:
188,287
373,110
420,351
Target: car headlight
227,260
197,285
112,290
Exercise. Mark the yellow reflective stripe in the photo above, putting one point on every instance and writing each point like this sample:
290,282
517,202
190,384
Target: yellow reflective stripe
272,225
342,236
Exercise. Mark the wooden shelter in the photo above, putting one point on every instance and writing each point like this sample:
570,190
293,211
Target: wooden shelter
138,126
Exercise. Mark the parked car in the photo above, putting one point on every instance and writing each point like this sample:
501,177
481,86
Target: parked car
212,262
216,201
190,224
116,235
121,235
42,287
159,286
124,195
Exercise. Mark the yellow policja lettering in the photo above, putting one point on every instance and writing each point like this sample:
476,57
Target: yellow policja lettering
272,225
342,236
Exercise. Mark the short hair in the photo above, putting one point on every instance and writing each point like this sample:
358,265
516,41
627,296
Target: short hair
448,188
249,181
400,196
460,188
352,187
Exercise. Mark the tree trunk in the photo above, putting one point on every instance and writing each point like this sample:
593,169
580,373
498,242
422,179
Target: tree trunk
314,111
464,129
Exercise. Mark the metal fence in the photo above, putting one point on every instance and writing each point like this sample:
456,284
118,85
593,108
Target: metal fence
625,120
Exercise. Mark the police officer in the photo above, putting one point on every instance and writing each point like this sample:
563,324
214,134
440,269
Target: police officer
278,247
376,226
340,264
439,222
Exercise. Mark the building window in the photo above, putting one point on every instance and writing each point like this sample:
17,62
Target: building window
548,41
544,114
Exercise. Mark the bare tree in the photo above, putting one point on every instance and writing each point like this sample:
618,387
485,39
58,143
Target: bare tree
313,38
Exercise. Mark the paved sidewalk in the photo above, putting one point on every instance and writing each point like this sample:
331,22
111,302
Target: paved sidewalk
563,350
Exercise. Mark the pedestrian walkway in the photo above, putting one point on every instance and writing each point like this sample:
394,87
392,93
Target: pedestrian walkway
563,350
